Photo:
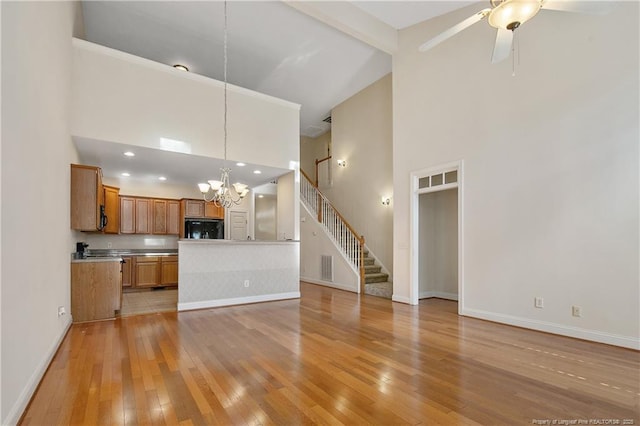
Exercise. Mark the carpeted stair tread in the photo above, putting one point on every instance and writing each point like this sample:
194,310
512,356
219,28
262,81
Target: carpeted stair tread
381,289
375,278
372,269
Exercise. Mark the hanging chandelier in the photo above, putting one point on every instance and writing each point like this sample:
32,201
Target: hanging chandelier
223,193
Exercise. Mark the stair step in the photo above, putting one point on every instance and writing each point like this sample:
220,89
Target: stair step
375,278
372,269
381,289
369,261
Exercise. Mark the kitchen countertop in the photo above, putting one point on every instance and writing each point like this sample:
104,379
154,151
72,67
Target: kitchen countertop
105,255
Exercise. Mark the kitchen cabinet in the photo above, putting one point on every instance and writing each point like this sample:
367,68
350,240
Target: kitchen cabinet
193,208
211,211
127,271
173,217
144,217
87,198
159,217
147,271
166,217
155,271
112,209
169,270
96,290
127,215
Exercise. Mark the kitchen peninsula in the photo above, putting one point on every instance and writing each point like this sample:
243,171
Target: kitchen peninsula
230,272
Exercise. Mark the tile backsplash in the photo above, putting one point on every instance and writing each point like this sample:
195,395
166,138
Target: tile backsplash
100,241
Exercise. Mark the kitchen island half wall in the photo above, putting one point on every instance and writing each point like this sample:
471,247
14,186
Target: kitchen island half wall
226,272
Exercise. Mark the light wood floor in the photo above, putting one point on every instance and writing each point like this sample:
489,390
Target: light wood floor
330,358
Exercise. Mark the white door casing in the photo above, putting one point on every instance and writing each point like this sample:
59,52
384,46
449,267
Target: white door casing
414,243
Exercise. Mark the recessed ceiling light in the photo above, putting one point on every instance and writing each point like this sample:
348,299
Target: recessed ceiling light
240,164
256,172
125,174
260,196
162,178
181,67
129,154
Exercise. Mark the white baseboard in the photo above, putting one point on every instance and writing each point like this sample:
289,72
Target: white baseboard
14,414
330,284
563,330
438,294
401,299
237,301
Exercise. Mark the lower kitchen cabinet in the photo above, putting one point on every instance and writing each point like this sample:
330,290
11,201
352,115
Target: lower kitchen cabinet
169,270
96,290
154,271
127,271
147,271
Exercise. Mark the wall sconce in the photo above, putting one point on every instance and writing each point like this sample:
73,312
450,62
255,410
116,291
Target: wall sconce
386,200
342,163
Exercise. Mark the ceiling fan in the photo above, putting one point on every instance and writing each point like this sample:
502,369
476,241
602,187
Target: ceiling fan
507,15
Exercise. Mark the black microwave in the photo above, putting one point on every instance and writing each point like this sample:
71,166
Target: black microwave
197,229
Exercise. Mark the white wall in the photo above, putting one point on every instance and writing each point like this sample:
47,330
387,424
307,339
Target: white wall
36,152
265,217
288,206
312,149
361,134
150,101
438,239
550,156
315,242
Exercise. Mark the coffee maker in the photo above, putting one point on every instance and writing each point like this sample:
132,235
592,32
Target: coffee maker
80,246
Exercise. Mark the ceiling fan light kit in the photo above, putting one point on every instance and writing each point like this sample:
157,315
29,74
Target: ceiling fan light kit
508,15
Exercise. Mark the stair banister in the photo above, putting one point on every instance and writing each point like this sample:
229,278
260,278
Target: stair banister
350,243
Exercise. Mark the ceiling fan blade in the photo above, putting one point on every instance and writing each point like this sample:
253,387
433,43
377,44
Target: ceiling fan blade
588,7
454,30
501,50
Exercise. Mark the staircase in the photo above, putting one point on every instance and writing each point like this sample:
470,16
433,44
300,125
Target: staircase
372,280
375,282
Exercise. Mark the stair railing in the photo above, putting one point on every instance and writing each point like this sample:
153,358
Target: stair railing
350,243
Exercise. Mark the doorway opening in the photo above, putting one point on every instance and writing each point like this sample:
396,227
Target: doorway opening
437,234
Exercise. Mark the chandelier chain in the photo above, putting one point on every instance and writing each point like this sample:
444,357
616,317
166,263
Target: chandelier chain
225,83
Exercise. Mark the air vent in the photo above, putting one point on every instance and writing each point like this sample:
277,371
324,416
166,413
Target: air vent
326,268
327,120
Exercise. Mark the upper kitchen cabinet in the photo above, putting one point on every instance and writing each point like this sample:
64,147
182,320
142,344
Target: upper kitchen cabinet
144,215
127,215
166,217
201,209
87,198
112,209
140,215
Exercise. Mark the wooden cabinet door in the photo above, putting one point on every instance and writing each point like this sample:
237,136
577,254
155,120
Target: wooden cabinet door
127,215
173,217
127,269
147,271
95,290
213,212
86,197
112,209
159,216
144,218
169,272
194,208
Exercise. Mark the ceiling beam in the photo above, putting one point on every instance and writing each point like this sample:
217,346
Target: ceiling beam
351,20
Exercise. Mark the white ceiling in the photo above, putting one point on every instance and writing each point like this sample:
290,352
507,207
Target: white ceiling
272,48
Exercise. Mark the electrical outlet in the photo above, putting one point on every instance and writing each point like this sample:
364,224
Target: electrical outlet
538,302
109,245
61,311
246,283
576,311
